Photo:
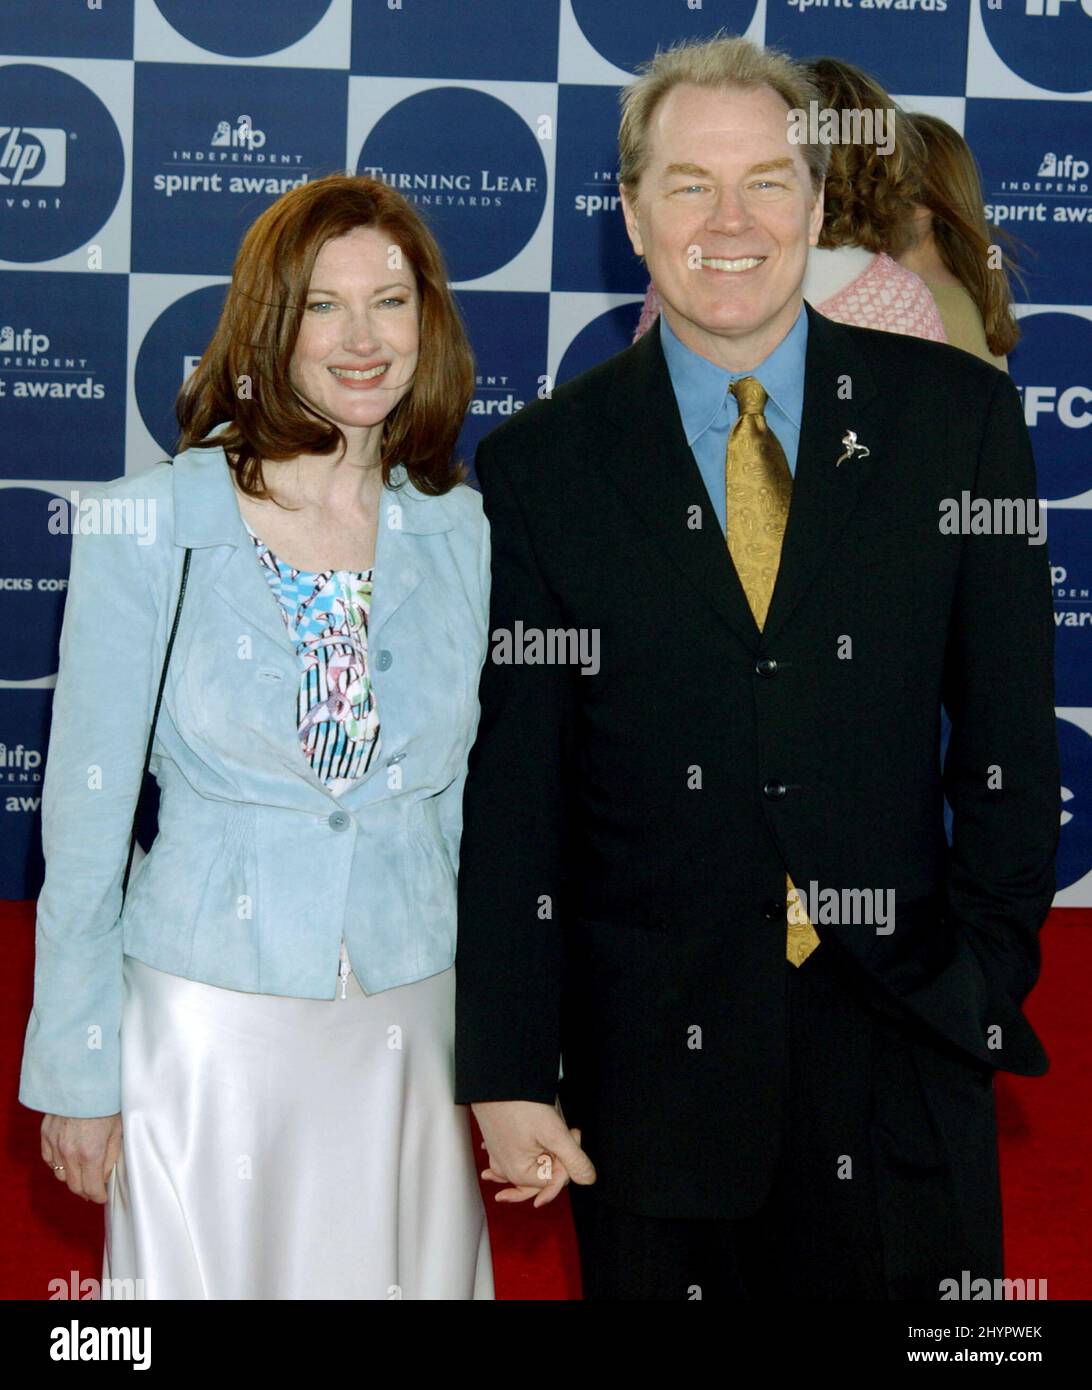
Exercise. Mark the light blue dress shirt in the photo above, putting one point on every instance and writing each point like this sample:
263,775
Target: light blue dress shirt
709,410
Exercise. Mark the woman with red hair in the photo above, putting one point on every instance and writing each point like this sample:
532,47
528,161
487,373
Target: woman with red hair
266,1105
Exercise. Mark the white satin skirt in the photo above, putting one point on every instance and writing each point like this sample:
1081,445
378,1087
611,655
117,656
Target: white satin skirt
282,1148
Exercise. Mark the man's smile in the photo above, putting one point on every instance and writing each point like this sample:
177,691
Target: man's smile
733,267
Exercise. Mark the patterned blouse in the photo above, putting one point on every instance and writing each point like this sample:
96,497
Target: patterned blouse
326,614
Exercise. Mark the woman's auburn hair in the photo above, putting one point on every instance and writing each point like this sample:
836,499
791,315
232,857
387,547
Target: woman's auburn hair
243,375
868,195
952,191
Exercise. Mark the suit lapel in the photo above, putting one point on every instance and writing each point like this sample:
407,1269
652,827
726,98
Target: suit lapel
654,468
838,387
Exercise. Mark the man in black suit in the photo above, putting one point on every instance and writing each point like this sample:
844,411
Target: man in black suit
709,880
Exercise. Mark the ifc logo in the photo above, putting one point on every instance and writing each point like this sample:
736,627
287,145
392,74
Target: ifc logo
1046,42
1050,366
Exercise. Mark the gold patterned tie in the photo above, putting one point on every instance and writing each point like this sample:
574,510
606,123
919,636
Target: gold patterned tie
758,489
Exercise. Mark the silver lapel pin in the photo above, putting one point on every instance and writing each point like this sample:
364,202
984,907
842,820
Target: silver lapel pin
852,448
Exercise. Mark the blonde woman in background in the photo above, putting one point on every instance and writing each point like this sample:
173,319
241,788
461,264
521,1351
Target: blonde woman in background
948,243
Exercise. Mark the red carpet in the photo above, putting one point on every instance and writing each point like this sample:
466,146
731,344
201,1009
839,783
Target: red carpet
1043,1120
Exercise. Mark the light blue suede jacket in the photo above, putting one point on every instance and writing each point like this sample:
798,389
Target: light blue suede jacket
257,869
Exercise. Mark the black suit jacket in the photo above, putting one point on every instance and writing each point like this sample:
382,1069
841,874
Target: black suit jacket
626,834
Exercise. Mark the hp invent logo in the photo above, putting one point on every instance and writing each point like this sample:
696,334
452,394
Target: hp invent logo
32,155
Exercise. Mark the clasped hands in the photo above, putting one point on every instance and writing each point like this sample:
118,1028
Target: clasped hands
531,1148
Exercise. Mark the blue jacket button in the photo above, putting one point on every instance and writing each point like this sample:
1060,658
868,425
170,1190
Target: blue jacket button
383,660
338,820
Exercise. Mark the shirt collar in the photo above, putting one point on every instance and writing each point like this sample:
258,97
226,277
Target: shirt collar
701,386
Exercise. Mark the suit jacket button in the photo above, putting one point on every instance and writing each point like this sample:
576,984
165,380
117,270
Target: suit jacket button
383,660
774,790
766,667
338,820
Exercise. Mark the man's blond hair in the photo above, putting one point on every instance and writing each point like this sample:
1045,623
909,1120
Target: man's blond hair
719,62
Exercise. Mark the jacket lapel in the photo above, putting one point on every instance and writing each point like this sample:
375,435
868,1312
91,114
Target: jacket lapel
404,514
655,470
207,514
838,388
399,570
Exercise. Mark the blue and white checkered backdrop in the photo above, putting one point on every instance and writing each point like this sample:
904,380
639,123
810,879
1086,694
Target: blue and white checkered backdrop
139,138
